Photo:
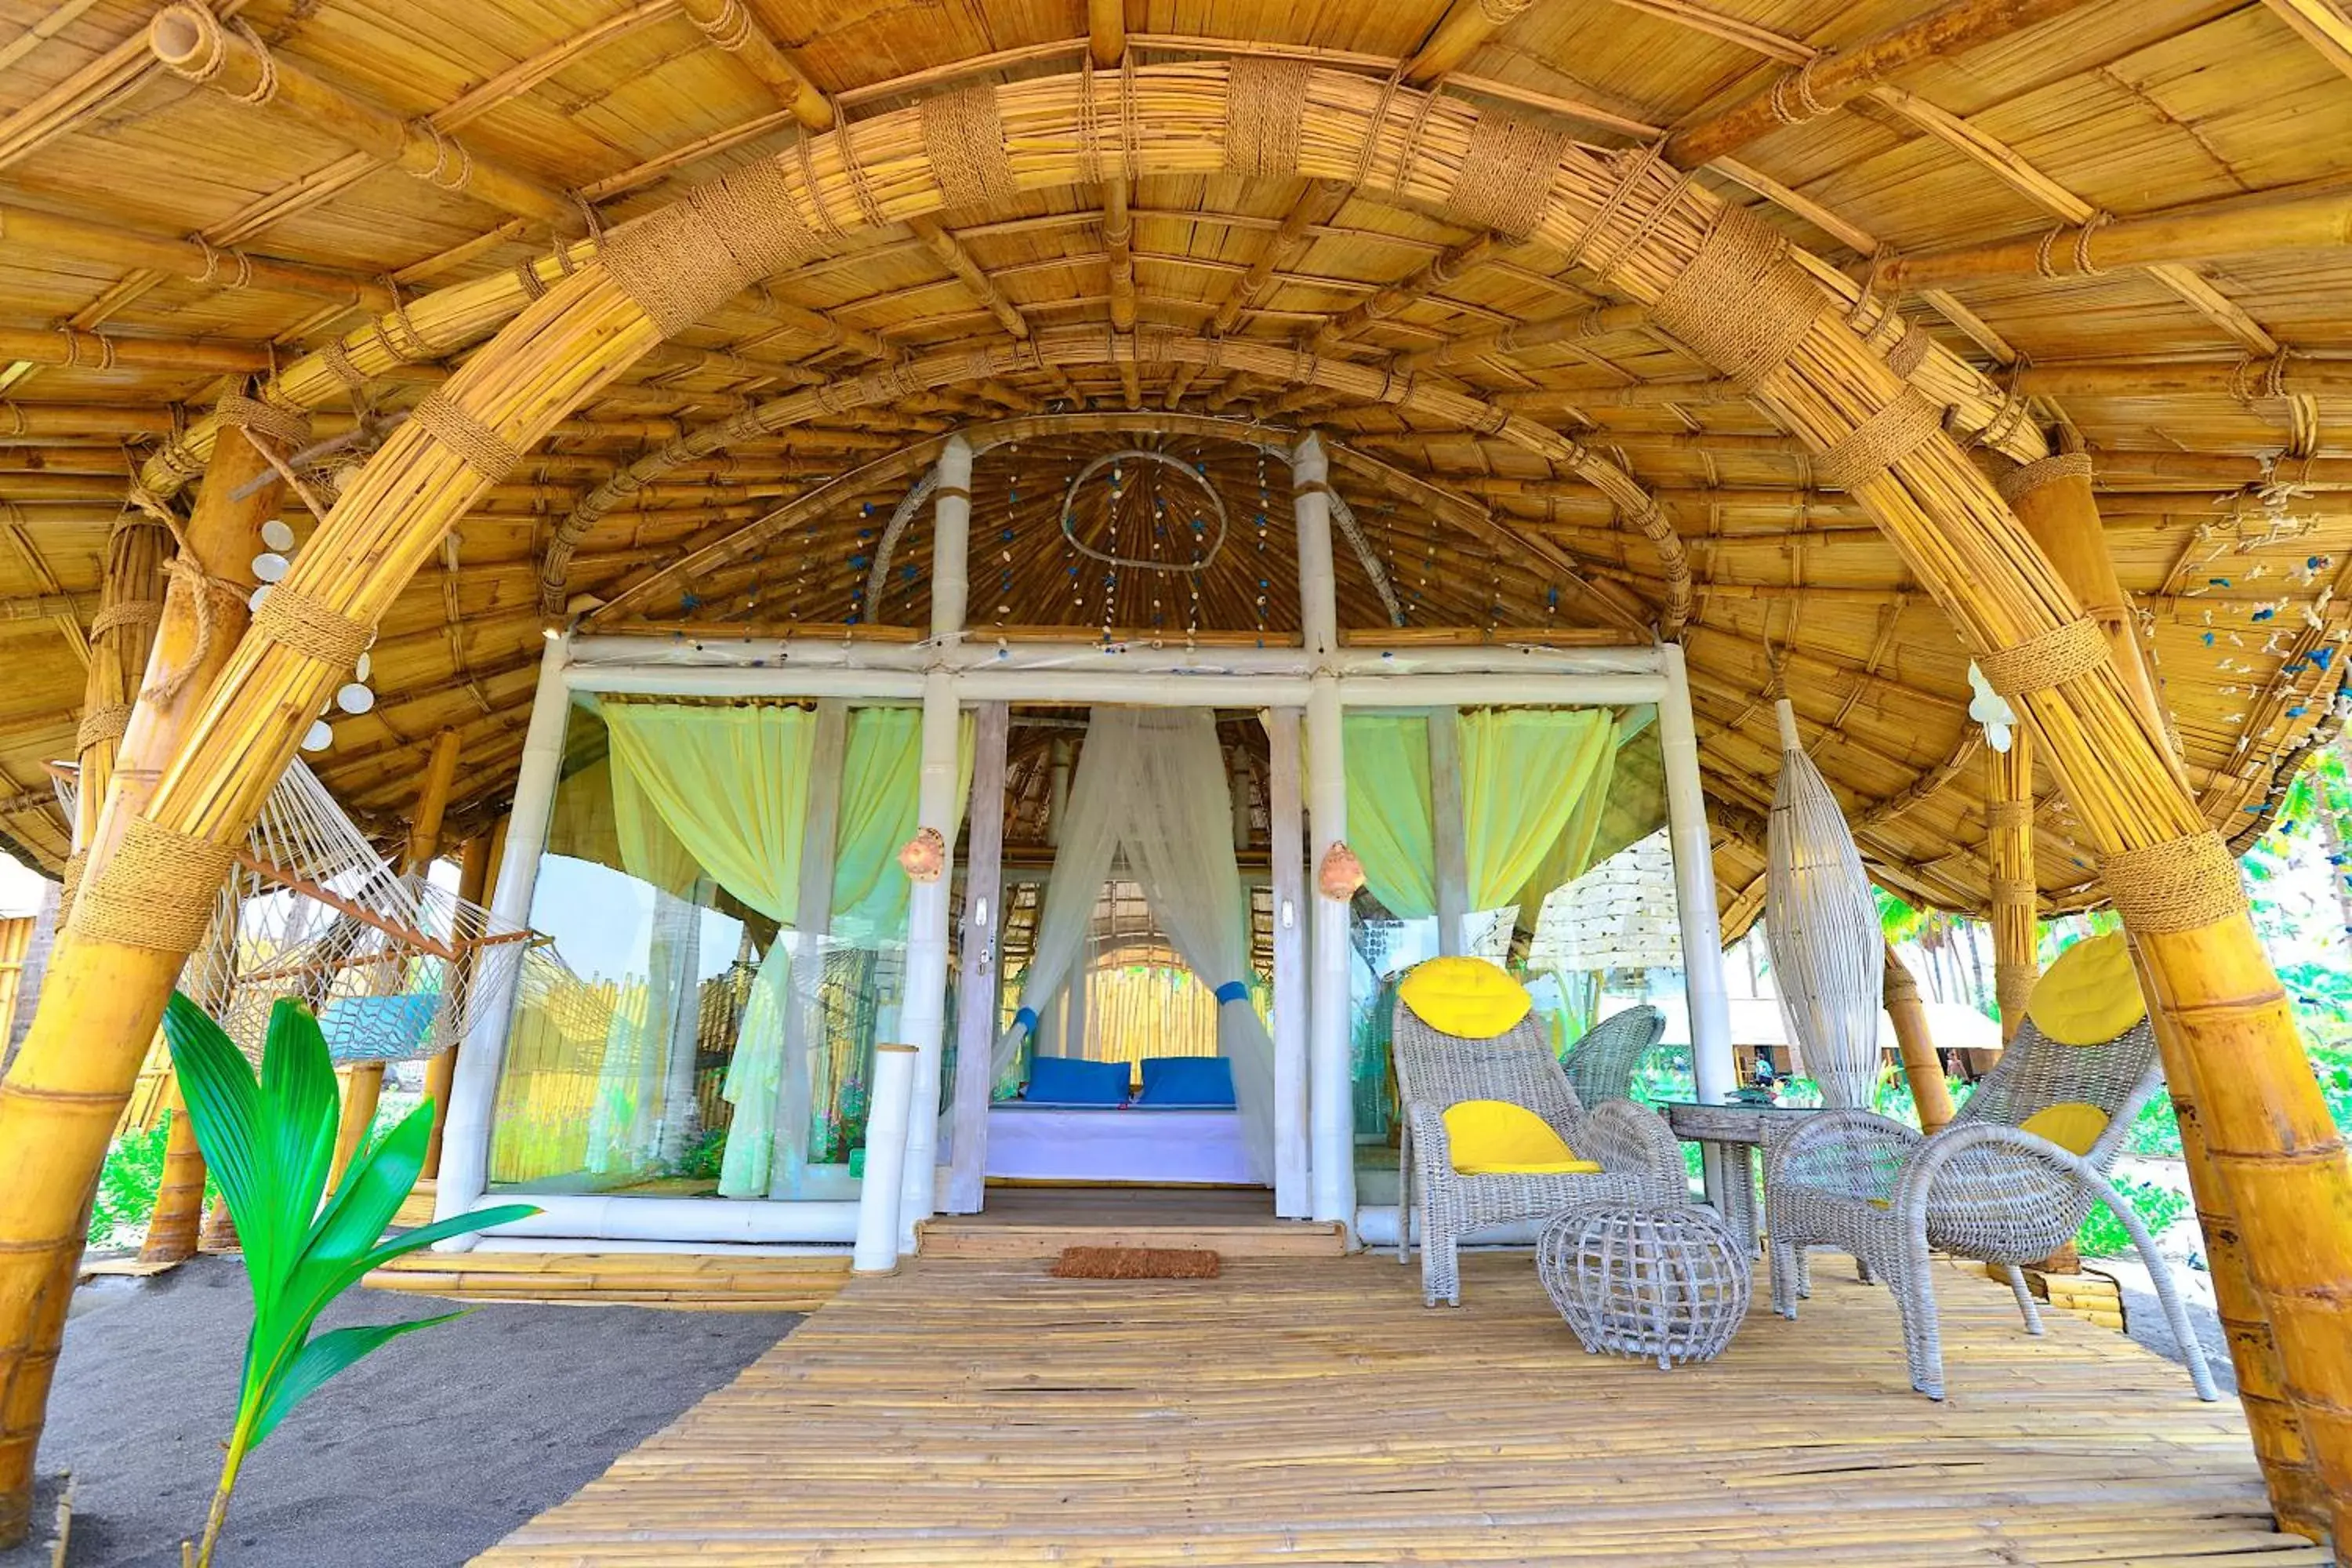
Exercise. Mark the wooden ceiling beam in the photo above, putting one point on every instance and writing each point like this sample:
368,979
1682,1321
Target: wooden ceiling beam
1834,77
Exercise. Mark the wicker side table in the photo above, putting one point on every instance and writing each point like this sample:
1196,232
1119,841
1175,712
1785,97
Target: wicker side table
1668,1281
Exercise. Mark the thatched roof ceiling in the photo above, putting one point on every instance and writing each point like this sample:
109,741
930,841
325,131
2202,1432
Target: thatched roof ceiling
2213,390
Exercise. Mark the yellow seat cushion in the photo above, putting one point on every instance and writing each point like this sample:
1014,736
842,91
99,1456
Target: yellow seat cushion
2090,996
1495,1138
2071,1124
1471,997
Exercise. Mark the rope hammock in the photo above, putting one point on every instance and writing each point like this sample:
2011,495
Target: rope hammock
392,965
1822,927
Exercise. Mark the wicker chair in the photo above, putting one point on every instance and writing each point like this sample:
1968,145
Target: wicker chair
1982,1187
1602,1064
1640,1159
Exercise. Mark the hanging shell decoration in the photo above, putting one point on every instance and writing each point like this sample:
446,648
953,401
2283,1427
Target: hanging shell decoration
1821,925
354,697
1340,874
924,857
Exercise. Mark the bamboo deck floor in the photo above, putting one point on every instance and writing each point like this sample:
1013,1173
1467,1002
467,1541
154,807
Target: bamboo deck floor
1308,1411
1038,1221
739,1282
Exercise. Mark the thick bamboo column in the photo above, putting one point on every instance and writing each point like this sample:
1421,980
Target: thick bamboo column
2016,893
1293,1195
1921,1067
441,1072
2053,500
1331,1107
1449,834
977,986
364,1081
66,1088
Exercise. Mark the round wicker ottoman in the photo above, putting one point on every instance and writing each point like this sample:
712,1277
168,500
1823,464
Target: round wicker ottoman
1669,1280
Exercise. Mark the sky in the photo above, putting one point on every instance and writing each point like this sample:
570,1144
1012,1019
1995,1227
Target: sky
21,888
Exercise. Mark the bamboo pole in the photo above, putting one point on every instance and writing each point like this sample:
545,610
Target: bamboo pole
2321,220
2053,500
2015,890
1835,77
441,1071
1459,33
1922,1069
221,266
105,351
364,1081
190,42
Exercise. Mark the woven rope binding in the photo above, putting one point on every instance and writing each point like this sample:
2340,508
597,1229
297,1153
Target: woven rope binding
678,262
2061,653
2181,884
1265,102
1879,442
964,138
101,725
129,613
477,445
156,891
281,424
2025,481
310,627
1741,260
1506,173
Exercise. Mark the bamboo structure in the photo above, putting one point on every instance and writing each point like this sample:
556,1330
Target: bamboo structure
1657,418
1922,1069
2016,890
441,1069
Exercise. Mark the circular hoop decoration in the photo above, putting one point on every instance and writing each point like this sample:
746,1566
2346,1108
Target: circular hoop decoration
1166,460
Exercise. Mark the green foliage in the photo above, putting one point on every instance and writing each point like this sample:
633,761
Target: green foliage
269,1141
127,1184
2102,1236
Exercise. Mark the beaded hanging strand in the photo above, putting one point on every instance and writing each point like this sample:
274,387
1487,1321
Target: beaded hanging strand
1004,543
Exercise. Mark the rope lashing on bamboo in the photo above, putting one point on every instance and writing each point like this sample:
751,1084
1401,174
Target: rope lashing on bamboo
2019,483
214,41
208,597
213,253
418,349
446,150
1741,258
99,725
2064,653
129,613
2246,385
728,28
2015,890
2181,884
1506,175
477,445
69,880
1799,84
310,627
963,137
726,235
2001,814
1265,102
290,427
1910,351
1873,447
2012,987
156,891
2047,268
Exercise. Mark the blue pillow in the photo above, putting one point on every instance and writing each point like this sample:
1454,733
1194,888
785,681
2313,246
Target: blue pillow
1073,1080
1203,1081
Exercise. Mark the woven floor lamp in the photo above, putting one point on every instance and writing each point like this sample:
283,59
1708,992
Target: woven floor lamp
1821,925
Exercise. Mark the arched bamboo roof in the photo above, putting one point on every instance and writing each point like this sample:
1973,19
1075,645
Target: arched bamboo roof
2123,221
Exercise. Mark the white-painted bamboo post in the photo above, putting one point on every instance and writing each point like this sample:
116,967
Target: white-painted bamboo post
1331,1107
924,1017
1293,1198
1715,1072
976,990
812,924
888,1116
465,1137
1449,833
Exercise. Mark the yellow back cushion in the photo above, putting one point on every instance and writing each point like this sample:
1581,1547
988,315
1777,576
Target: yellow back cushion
1495,1138
2071,1124
2090,996
1471,997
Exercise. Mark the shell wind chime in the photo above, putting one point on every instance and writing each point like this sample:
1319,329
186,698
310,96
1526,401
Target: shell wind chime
1821,925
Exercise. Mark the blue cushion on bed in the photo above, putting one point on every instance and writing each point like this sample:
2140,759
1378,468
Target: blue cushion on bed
1072,1080
1203,1081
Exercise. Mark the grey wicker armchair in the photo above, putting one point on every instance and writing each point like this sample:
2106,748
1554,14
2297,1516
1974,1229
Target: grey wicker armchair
1640,1158
1602,1064
1982,1187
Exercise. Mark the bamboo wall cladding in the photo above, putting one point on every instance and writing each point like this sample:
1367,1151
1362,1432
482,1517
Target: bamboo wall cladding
1640,226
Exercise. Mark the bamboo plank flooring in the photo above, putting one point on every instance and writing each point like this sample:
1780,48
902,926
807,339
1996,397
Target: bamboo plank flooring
738,1283
1313,1412
1037,1222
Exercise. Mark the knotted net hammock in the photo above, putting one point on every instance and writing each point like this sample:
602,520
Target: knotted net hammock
1821,925
395,968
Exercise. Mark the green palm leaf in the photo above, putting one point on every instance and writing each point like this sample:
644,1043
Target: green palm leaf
271,1141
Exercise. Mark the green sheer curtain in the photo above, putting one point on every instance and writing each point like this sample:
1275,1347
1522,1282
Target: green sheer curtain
1388,822
731,785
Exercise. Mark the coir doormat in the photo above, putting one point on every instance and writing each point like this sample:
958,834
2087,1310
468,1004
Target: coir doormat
1136,1263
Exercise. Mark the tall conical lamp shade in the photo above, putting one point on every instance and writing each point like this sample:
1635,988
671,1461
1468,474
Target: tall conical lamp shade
1821,925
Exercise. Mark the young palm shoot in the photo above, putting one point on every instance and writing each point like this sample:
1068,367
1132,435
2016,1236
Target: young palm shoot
269,1141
